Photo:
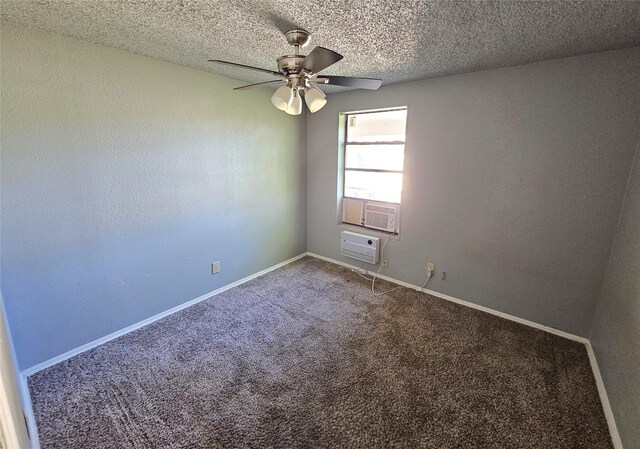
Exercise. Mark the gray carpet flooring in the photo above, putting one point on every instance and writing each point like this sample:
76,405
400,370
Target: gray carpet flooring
306,357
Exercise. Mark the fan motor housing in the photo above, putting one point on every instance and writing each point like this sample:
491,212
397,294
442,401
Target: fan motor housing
290,63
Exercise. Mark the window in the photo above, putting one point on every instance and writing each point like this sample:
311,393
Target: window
373,163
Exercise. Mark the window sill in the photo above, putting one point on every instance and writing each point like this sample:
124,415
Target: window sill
368,231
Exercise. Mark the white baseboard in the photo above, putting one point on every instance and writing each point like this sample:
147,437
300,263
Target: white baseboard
548,329
40,366
28,412
62,357
604,399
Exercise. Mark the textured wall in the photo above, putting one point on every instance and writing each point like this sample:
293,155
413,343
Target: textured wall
11,405
513,181
616,329
123,178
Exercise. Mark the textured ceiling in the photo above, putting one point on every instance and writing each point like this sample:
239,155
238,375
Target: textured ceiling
389,39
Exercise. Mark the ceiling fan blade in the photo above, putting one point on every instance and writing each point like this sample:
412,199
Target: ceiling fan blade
349,81
249,86
258,69
319,59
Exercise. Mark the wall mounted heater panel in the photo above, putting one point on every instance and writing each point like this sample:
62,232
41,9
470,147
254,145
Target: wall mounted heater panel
380,216
360,247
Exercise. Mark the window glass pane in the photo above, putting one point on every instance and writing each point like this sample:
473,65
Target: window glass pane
373,186
384,126
379,157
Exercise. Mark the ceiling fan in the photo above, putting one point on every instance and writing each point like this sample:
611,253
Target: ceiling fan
300,75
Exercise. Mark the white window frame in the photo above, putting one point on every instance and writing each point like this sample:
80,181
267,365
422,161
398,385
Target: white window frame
343,128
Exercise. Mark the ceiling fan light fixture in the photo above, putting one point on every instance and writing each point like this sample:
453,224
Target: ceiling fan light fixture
282,97
314,98
296,104
300,73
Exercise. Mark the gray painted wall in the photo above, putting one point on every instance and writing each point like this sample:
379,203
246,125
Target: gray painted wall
123,178
513,184
13,429
615,335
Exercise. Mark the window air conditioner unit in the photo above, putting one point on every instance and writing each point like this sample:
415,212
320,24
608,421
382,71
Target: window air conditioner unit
380,216
361,247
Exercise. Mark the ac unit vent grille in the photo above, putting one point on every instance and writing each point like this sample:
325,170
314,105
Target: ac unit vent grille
377,220
380,217
383,209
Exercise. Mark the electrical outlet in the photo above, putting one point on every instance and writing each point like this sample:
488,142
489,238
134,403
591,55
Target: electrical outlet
431,267
385,263
215,267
